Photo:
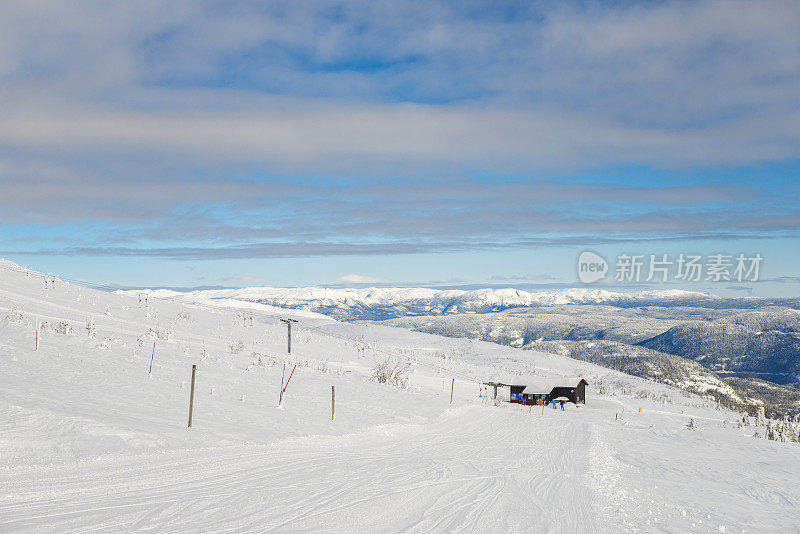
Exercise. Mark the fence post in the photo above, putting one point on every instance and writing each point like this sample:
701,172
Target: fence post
289,334
191,396
333,403
452,387
280,398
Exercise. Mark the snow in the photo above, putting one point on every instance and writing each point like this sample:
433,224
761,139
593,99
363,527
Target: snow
424,300
535,386
93,442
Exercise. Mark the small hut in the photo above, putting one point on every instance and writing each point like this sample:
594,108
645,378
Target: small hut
543,390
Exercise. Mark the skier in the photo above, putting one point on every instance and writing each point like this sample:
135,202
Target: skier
562,405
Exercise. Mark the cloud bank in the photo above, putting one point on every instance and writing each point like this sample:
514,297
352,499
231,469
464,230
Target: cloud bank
210,130
360,279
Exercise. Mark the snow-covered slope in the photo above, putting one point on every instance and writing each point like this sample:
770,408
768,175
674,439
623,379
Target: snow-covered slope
93,441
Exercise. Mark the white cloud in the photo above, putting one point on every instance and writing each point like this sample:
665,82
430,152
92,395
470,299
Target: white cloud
672,83
360,279
525,277
245,278
361,137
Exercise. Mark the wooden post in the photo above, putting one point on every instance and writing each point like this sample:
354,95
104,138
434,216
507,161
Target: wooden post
151,360
191,396
280,398
452,387
289,334
333,403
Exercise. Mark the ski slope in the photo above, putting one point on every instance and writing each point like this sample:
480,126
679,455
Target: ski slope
92,441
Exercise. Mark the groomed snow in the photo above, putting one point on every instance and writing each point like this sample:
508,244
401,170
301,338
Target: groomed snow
91,441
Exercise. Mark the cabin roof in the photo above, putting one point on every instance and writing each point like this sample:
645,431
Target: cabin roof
546,385
509,380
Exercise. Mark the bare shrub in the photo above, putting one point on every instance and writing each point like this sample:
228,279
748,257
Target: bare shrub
395,374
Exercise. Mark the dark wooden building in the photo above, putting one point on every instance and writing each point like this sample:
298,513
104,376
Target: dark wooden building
516,394
542,391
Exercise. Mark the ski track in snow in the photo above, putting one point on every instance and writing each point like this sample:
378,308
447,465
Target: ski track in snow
437,477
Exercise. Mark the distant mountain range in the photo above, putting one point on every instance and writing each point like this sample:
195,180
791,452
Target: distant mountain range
388,303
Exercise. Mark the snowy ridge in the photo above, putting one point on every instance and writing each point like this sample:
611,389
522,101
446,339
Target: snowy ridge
385,303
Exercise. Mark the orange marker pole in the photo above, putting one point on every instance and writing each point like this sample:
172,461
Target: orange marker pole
290,378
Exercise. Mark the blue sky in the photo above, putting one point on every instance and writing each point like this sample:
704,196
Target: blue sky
425,143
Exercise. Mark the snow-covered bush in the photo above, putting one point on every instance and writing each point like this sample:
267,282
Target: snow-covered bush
159,333
183,316
744,421
64,328
386,372
761,418
14,315
91,329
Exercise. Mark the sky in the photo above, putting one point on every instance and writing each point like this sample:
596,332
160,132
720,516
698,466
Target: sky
442,144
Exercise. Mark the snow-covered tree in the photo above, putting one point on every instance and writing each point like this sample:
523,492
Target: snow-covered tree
91,329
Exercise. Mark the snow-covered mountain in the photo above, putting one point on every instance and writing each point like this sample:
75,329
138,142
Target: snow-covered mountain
93,429
387,303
